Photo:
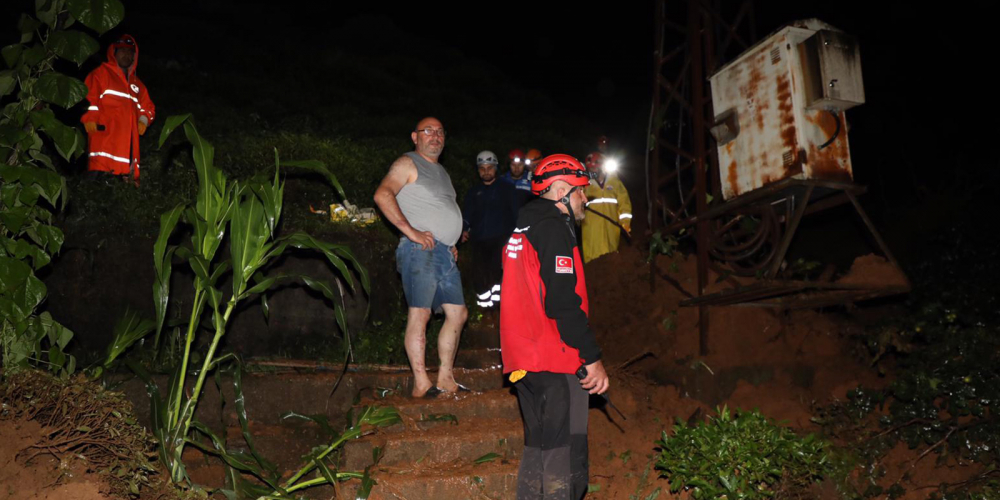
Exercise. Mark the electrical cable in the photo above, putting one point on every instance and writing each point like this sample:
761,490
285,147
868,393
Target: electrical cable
835,132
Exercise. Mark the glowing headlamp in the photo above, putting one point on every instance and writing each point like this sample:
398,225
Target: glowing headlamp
611,165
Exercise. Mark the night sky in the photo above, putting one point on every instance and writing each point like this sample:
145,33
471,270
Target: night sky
928,110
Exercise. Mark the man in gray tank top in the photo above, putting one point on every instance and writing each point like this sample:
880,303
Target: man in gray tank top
418,198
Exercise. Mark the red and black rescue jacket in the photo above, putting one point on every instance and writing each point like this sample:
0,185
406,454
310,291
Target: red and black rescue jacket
543,297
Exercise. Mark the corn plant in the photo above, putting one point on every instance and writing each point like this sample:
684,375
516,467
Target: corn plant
245,215
31,189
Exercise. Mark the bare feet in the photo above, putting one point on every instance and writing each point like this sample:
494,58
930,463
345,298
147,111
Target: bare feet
420,387
446,381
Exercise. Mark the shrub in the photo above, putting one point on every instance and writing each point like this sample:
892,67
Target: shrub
31,189
941,403
740,455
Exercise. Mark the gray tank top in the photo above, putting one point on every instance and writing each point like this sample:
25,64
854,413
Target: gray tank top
429,202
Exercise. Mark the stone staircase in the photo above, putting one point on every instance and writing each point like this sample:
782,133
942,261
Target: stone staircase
462,446
457,446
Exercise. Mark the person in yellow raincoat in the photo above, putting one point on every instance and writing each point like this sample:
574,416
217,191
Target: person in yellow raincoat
607,196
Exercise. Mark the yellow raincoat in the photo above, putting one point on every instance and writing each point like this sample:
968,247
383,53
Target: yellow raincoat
611,199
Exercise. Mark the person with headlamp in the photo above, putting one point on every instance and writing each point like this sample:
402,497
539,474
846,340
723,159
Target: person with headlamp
609,209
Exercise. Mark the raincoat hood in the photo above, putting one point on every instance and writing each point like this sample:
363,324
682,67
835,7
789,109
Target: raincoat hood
116,44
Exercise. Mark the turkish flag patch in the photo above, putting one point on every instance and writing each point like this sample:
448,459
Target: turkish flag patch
564,265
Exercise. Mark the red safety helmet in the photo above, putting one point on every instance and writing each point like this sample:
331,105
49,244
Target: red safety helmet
532,156
558,168
516,155
594,159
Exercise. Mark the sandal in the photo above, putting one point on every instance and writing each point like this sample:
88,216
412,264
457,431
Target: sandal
433,392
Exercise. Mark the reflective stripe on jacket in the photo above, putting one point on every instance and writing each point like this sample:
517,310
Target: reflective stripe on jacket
611,199
116,103
543,296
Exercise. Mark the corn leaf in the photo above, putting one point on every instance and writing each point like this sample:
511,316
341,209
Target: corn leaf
168,222
248,238
305,241
346,253
320,168
220,269
319,419
489,457
129,329
365,490
158,410
441,417
171,124
237,460
241,413
163,262
271,196
325,471
378,416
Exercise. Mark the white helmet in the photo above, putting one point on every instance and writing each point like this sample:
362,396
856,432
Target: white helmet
487,157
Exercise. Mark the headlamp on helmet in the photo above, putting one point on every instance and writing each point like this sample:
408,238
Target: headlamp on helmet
611,165
558,167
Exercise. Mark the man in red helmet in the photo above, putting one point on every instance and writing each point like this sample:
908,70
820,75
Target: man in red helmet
120,111
545,336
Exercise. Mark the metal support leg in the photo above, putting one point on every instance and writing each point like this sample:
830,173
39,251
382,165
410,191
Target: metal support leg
790,228
871,227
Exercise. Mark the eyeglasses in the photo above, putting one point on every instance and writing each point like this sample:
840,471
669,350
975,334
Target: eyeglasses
125,41
432,131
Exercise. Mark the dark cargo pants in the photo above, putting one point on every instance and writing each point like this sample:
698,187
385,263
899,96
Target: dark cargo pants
554,465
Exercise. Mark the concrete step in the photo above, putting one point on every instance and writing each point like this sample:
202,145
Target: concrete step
493,403
487,357
458,481
438,445
276,387
401,383
284,444
479,336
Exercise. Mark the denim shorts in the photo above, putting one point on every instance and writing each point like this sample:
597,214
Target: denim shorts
430,277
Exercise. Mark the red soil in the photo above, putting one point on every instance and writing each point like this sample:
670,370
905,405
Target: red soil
42,478
798,359
873,270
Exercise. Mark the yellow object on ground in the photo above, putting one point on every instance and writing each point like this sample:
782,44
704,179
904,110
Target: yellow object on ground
517,375
348,212
610,199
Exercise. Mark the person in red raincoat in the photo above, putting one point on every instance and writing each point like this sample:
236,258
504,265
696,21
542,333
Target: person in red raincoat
120,111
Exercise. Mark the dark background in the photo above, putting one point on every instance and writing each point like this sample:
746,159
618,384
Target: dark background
928,116
547,75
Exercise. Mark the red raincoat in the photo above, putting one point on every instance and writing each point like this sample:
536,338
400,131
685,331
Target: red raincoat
116,103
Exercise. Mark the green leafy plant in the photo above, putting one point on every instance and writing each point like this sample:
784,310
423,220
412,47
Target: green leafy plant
32,190
131,327
245,215
740,455
320,465
319,460
660,245
489,457
941,403
440,417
